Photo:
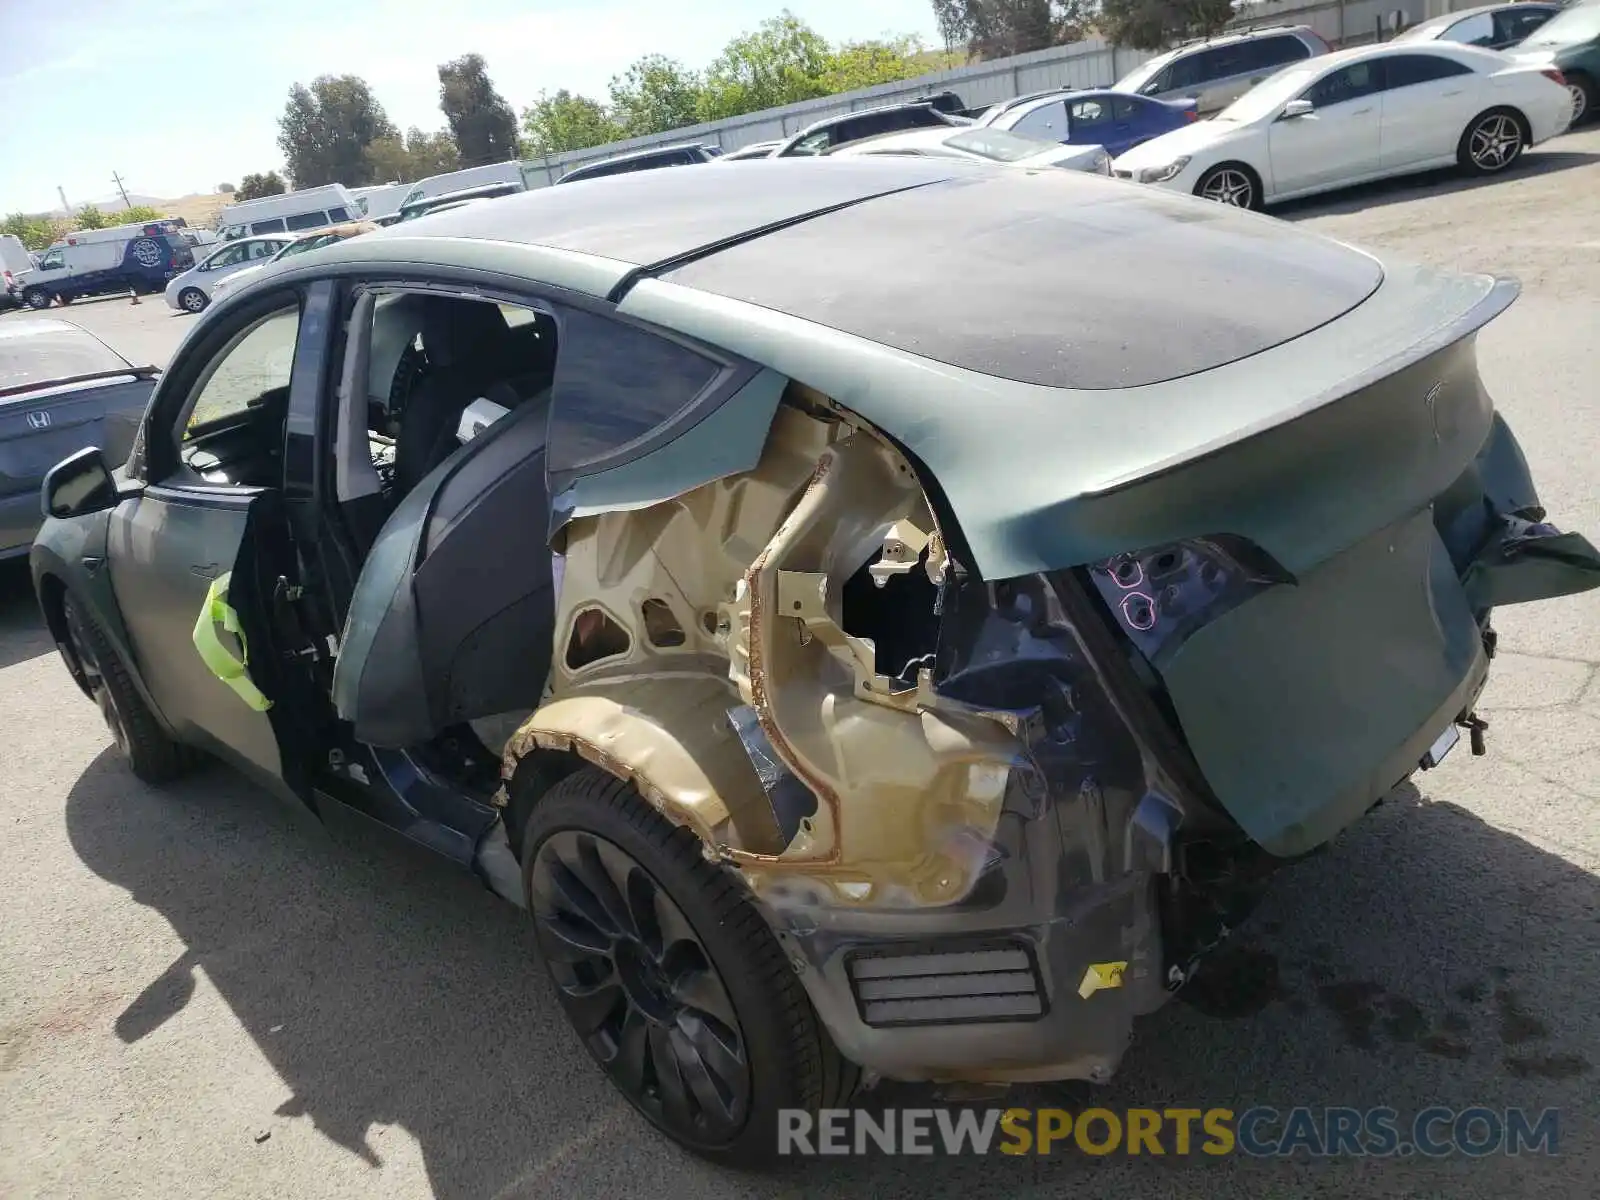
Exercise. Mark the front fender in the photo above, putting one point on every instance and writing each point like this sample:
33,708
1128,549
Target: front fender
71,553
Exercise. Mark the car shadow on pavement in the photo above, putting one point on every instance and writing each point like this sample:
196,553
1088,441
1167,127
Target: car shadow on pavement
23,634
1426,958
1434,183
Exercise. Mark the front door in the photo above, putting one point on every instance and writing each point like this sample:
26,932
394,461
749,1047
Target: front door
201,561
1338,140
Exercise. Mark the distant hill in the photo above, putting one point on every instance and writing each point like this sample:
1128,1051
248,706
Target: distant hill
200,209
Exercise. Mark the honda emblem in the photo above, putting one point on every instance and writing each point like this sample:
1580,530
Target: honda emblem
39,419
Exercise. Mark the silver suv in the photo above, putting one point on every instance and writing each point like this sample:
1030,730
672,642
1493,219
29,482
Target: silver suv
1218,71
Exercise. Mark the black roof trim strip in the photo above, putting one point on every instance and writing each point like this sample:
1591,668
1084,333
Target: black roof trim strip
649,270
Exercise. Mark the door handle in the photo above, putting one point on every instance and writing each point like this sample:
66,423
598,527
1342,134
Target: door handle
1361,112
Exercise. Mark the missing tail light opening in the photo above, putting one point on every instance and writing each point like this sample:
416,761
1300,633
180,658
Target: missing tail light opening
1160,595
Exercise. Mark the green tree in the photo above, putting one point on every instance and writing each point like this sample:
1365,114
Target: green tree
654,95
325,131
781,62
865,64
90,217
482,124
140,213
35,231
1000,28
227,189
563,121
416,156
253,187
1157,24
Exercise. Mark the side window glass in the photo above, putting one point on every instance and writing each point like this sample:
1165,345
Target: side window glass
339,214
1090,114
52,260
1512,26
1125,108
1268,53
247,374
310,220
273,226
230,256
1477,30
1406,69
1048,122
1350,83
1161,83
615,383
264,249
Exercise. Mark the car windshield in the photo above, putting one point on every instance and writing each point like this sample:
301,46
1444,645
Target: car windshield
300,247
1141,75
1581,24
997,144
1270,94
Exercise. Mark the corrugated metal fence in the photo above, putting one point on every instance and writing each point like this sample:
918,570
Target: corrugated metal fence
1087,64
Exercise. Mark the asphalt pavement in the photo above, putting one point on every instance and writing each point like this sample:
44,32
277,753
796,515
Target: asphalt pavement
205,995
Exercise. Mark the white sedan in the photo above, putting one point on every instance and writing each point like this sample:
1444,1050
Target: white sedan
1345,118
977,144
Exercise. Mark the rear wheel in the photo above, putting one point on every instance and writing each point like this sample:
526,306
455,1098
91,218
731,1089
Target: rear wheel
671,978
192,299
152,755
36,298
1582,90
1492,142
1233,184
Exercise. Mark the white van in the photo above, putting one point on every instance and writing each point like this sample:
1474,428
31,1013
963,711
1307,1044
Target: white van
102,262
384,200
455,181
292,212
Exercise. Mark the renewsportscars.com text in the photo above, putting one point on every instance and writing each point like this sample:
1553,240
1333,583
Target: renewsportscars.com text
1259,1132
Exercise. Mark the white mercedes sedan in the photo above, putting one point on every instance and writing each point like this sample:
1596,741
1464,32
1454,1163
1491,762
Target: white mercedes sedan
1356,115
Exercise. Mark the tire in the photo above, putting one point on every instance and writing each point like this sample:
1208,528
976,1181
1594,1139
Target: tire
1492,142
36,298
1231,183
192,299
598,863
64,298
1584,94
152,755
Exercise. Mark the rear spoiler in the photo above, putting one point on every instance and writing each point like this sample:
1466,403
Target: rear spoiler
39,385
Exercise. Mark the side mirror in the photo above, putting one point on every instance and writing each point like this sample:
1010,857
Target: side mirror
79,484
1297,108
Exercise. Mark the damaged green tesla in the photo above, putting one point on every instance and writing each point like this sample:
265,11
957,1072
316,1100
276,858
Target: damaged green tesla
881,618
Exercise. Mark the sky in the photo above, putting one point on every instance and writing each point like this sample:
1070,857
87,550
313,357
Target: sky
181,95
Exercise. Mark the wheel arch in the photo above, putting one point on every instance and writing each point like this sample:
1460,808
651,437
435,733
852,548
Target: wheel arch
52,592
667,736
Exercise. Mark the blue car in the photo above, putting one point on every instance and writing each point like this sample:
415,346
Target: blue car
1116,120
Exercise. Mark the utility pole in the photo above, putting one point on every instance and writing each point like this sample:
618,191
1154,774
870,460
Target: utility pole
117,179
62,192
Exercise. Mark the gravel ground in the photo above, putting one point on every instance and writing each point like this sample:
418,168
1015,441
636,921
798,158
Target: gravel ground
205,996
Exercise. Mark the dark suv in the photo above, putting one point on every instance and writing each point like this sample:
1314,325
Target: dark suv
643,160
824,135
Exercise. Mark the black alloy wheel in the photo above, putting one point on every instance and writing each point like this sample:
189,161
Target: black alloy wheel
639,986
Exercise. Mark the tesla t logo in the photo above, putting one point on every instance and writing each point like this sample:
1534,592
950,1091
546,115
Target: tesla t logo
1432,401
39,420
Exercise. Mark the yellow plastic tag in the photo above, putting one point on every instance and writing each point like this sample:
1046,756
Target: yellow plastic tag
232,671
1100,976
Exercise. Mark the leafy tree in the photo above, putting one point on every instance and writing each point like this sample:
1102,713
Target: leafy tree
227,189
865,64
253,187
1000,28
781,62
35,231
140,213
1157,24
325,131
654,95
416,156
482,124
564,121
90,217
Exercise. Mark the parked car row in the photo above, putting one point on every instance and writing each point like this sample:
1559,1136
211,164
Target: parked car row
1345,118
